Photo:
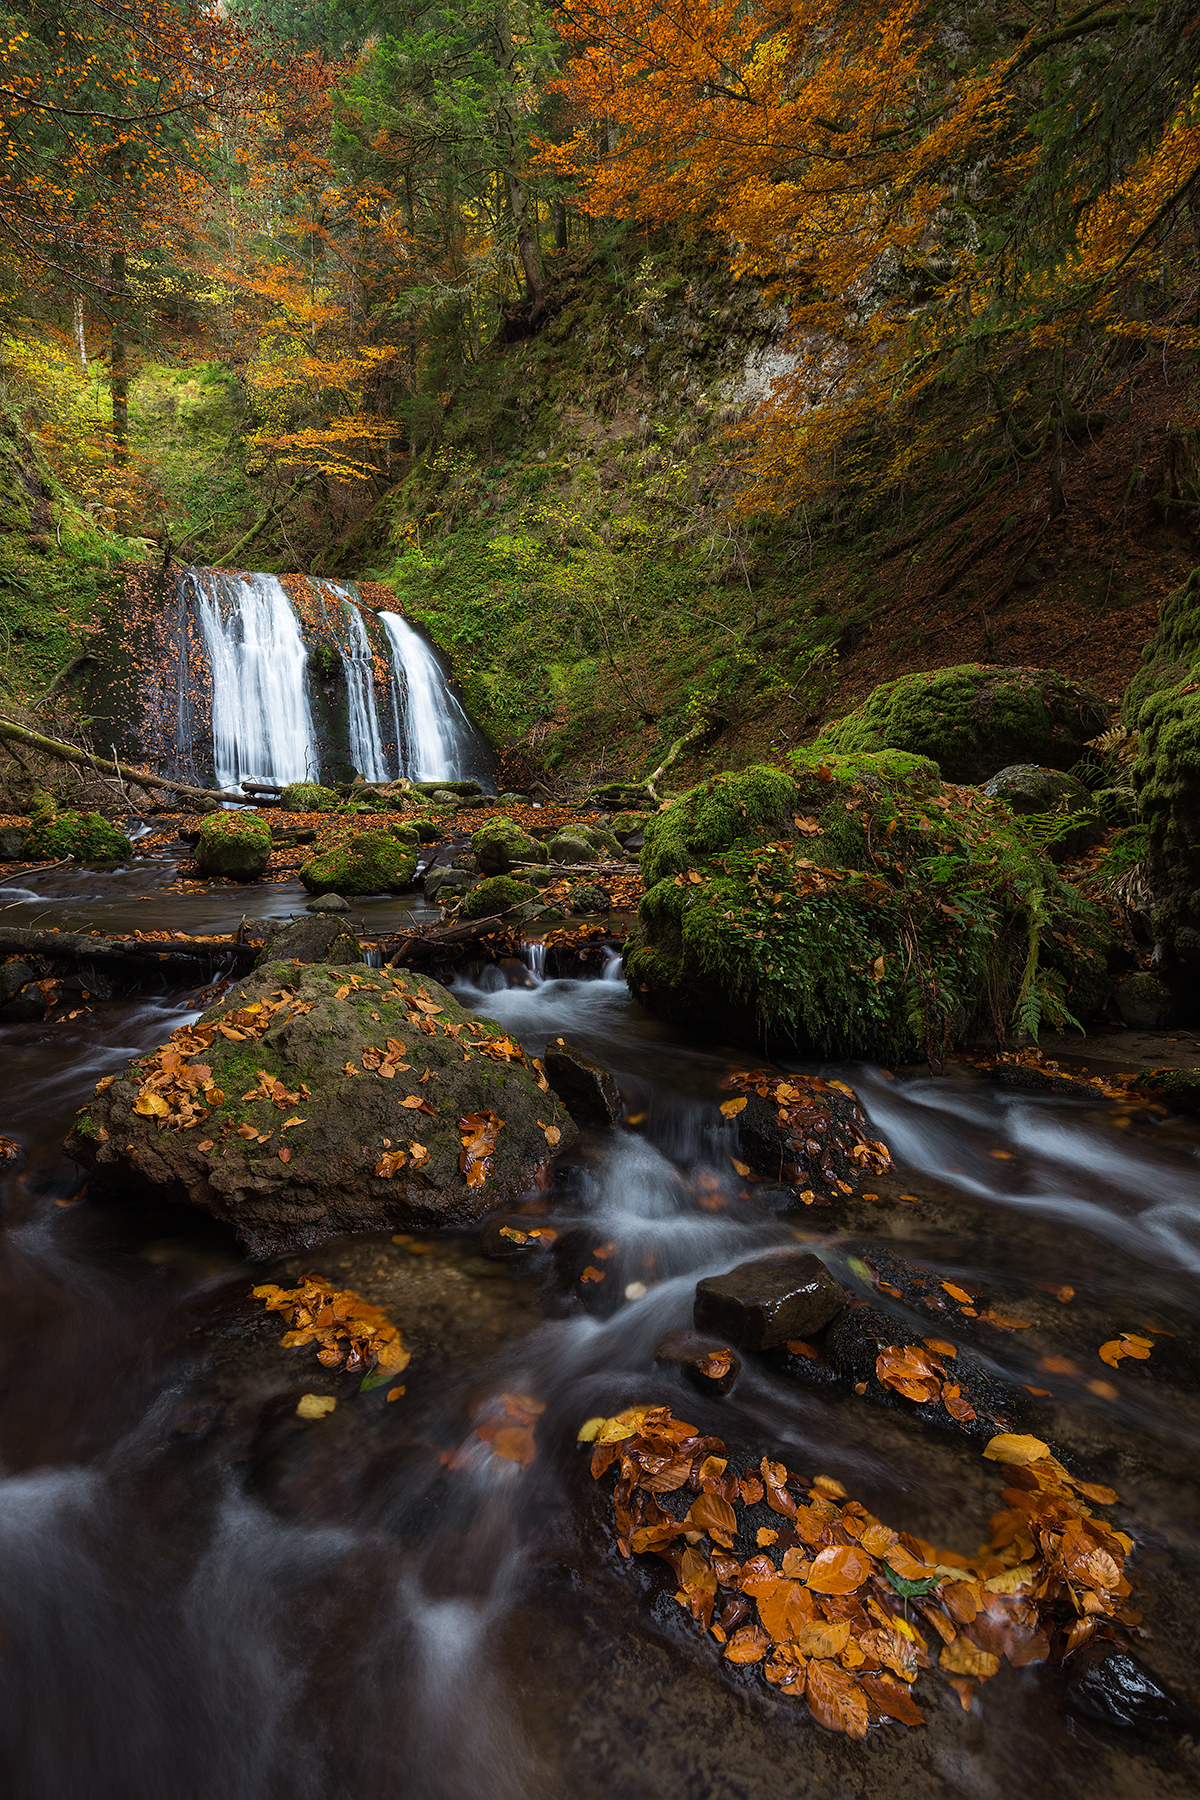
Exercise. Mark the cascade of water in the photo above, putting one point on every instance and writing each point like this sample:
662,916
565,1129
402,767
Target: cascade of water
366,743
533,955
435,736
262,724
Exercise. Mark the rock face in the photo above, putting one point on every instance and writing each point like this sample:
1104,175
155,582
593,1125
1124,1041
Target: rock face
319,1101
235,844
1028,790
856,906
88,837
316,940
371,862
584,1086
974,719
763,1303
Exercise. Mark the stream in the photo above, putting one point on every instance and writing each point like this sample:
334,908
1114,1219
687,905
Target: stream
206,1598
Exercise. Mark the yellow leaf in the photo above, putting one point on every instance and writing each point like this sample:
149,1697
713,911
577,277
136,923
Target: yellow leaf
589,1431
315,1406
1011,1448
151,1106
553,1134
731,1108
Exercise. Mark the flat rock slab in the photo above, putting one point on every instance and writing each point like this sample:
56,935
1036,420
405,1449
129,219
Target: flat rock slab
765,1302
584,1086
316,1101
318,940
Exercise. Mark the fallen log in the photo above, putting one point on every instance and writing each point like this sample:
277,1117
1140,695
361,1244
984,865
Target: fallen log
12,733
135,957
426,943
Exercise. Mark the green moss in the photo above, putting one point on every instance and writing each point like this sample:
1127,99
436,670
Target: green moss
972,719
86,836
371,862
234,844
729,809
895,918
42,806
496,895
499,844
308,796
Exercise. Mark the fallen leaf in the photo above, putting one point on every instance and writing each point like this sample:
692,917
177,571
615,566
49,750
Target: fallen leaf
962,1657
749,1645
104,1083
315,1406
955,1293
765,1536
1010,1447
552,1134
739,1168
839,1569
731,1109
285,1155
836,1700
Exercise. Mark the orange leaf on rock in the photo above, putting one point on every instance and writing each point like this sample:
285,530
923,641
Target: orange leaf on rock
836,1700
957,1293
731,1108
749,1645
962,1657
839,1569
710,1513
892,1700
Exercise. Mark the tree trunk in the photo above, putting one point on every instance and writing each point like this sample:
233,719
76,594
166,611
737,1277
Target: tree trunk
77,327
12,733
120,371
560,224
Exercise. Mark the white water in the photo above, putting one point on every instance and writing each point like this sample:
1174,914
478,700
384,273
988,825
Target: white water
366,743
262,724
434,734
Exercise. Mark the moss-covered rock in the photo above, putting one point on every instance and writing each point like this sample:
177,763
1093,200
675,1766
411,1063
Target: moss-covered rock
627,824
308,797
973,719
496,895
858,907
375,1146
499,844
370,862
590,897
1045,798
87,837
572,847
42,806
235,844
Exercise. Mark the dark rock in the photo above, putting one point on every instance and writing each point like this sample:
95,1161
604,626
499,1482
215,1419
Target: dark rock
449,883
1180,1088
708,1364
1027,789
853,1343
351,1114
328,903
584,1086
767,1301
316,940
1106,1683
13,976
12,843
1143,1002
590,898
568,847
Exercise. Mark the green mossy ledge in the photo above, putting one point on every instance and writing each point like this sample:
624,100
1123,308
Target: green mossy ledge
235,844
973,720
345,1122
858,906
370,862
88,837
308,796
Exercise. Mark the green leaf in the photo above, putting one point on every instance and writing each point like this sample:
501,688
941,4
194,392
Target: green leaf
910,1590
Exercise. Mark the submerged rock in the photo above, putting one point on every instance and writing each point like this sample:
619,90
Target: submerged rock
234,844
765,1302
584,1086
1107,1683
973,719
710,1366
317,1101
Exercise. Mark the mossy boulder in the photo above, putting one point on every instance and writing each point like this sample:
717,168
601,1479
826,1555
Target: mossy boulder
496,895
973,719
572,847
88,837
1045,798
308,797
499,844
375,1146
234,844
590,897
42,806
370,862
857,906
628,824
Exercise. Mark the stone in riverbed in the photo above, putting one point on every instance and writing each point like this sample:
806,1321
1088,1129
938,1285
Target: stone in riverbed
765,1302
328,903
234,844
499,844
313,941
332,1082
1106,1683
709,1365
584,1086
12,843
1143,1002
371,862
590,897
568,847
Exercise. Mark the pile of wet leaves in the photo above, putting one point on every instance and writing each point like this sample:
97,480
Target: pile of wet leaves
838,1608
804,1131
352,1334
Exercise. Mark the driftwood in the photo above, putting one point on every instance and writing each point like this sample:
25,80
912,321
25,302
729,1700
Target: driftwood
128,957
12,733
425,944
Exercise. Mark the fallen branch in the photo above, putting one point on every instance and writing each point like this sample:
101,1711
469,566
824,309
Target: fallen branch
135,956
12,733
426,944
36,869
64,675
700,729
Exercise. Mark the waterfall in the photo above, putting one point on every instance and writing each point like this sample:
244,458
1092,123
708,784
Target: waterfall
434,735
366,744
262,727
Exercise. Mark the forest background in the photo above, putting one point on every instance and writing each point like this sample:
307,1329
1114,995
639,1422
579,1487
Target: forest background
686,368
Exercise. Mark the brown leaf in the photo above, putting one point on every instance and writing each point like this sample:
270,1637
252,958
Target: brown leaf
894,1701
731,1108
749,1645
962,1657
104,1083
839,1569
836,1700
710,1513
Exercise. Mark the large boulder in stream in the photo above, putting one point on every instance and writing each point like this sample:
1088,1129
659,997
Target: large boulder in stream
858,906
234,844
315,1101
370,862
88,837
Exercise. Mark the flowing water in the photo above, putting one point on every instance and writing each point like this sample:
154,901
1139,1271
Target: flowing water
204,1598
435,736
262,725
366,744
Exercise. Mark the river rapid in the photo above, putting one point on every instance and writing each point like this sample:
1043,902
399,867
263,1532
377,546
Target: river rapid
205,1598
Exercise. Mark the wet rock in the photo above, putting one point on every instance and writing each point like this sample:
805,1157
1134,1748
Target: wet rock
318,940
233,844
380,861
88,837
584,1086
13,976
1108,1684
852,1346
767,1301
1028,789
301,1064
1143,1002
496,895
12,843
568,847
1180,1088
590,898
809,1134
328,903
500,844
709,1365
450,884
